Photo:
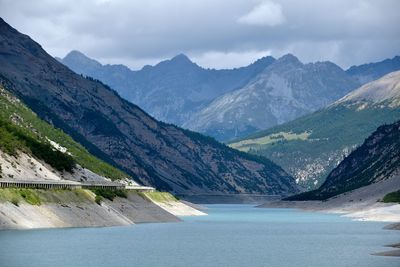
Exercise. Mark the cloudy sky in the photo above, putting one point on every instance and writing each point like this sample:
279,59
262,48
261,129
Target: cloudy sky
213,33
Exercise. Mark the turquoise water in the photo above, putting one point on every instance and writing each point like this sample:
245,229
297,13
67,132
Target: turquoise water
232,235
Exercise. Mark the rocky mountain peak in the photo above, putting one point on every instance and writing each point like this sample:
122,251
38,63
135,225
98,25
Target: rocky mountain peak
77,58
181,58
289,58
179,61
263,62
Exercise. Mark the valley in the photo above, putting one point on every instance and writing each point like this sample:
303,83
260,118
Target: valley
333,132
199,133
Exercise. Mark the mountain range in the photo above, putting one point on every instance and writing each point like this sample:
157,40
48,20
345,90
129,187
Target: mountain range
283,91
368,72
125,136
171,91
311,146
231,103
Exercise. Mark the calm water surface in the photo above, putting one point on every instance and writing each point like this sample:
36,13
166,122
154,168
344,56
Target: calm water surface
232,235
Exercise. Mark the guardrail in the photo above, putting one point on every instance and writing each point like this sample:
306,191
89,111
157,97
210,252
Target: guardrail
65,184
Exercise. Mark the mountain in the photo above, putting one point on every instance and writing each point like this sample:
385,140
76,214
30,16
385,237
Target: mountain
377,159
120,133
283,91
172,90
372,71
21,131
228,104
311,146
32,150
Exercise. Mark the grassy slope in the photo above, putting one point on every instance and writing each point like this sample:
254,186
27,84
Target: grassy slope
41,196
332,130
159,196
34,128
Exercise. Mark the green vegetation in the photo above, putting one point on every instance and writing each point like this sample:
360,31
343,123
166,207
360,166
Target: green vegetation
13,138
246,145
393,197
377,157
110,194
32,134
331,131
15,201
30,197
159,196
40,196
17,196
65,196
98,199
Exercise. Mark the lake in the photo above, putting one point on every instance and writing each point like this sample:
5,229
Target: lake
232,235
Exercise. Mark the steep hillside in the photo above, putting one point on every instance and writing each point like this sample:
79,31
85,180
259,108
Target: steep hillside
22,131
172,90
311,146
122,134
377,159
372,71
285,90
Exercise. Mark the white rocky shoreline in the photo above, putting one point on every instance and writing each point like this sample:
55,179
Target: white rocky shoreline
119,212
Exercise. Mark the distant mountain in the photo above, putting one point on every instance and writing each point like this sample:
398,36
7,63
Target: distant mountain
173,89
228,104
283,91
311,146
117,131
372,71
377,159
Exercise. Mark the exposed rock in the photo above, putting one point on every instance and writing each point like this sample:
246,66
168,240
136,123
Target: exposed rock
285,90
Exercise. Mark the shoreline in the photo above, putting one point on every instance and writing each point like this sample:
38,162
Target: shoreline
84,213
393,225
363,204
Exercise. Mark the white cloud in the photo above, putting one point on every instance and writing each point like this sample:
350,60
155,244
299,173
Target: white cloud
138,32
224,60
267,13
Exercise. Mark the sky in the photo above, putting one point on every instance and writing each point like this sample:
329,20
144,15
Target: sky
213,33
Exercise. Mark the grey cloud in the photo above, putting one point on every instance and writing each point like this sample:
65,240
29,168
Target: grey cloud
218,34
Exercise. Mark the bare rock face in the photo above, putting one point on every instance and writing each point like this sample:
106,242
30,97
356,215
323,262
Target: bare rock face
283,91
155,153
172,90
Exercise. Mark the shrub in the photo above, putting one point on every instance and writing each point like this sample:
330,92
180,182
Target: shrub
13,139
98,199
110,194
393,197
15,201
121,193
30,197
